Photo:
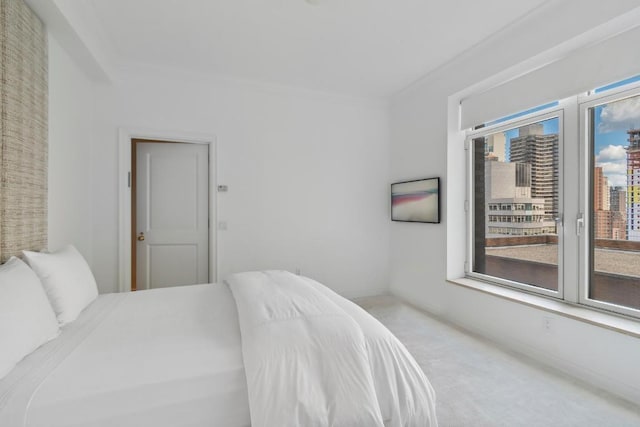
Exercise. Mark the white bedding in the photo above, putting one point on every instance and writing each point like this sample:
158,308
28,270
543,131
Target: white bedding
314,359
166,357
174,357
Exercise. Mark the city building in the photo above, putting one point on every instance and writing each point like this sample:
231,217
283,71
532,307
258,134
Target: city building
618,225
618,208
495,147
610,225
601,202
509,207
618,199
532,146
633,185
601,193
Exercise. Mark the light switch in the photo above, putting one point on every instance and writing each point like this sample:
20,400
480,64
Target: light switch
222,225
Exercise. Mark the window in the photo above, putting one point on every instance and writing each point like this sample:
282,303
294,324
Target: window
613,146
514,166
517,171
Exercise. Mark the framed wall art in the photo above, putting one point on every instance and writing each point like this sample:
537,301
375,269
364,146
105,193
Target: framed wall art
416,201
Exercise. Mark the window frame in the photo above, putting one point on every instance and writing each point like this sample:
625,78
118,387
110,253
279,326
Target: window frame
585,103
554,111
575,209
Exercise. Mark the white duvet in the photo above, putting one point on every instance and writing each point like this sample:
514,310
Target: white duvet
178,357
312,358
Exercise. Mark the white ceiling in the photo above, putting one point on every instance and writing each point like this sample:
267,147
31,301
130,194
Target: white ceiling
356,47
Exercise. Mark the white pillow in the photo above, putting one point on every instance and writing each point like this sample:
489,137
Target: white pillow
26,318
67,280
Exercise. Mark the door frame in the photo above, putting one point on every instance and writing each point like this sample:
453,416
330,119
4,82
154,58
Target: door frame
125,135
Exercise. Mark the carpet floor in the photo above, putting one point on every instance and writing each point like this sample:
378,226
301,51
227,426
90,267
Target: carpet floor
478,384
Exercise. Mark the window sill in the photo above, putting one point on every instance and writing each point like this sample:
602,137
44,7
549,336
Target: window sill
587,315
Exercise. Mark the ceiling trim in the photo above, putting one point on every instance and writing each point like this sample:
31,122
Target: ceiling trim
79,46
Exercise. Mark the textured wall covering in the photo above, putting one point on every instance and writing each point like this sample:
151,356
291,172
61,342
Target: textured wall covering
23,126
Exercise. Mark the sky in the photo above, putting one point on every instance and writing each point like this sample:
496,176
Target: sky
610,137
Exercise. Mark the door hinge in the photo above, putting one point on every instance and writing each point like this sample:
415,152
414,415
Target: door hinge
466,206
129,179
466,144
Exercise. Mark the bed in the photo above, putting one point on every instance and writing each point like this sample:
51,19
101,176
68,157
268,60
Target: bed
260,349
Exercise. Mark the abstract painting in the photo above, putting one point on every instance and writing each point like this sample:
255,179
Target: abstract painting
416,201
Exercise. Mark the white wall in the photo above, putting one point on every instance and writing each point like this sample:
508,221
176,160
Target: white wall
307,174
419,253
70,153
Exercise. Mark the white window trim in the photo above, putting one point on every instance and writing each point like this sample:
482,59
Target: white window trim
572,295
585,102
456,204
556,111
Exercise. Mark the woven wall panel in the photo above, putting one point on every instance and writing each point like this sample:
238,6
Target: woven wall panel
23,127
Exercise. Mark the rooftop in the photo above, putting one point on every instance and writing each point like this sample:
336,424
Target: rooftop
606,260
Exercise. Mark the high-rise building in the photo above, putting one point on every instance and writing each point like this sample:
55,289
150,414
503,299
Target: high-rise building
494,147
601,197
617,199
618,209
533,147
602,215
633,185
610,225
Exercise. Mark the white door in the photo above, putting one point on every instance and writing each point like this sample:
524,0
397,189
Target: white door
172,214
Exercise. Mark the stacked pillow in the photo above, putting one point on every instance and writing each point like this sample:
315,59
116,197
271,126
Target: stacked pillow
67,280
36,301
